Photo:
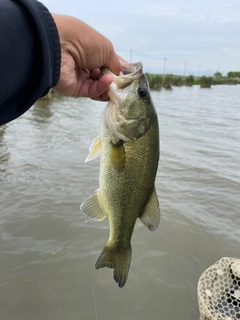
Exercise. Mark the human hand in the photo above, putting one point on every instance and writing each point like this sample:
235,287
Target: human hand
84,52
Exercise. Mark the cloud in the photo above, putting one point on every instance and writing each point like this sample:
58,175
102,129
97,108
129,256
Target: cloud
194,31
159,10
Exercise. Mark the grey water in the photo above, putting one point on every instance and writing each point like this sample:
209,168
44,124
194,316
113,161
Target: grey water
48,248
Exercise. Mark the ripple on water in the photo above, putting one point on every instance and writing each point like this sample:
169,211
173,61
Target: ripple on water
46,239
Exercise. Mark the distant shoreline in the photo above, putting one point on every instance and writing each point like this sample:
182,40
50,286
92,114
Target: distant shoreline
158,81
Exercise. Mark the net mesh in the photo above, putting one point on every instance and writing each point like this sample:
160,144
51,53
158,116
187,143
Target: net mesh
219,291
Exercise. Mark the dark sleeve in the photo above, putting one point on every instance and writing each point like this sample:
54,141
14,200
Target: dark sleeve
30,56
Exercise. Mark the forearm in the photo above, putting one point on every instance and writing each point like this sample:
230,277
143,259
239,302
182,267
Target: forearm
30,56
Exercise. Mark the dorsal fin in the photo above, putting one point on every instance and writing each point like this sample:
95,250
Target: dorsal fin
151,214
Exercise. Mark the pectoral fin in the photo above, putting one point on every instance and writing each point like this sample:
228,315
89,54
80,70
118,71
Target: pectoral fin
95,149
118,157
92,207
151,214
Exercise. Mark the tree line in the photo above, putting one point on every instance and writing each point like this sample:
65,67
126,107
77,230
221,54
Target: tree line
157,81
230,74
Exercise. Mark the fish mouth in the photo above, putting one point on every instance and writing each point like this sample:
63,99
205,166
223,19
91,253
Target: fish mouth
125,81
129,73
133,69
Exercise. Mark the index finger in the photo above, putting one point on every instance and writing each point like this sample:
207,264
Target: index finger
114,64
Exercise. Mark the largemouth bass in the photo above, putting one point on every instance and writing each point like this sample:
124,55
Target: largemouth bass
129,150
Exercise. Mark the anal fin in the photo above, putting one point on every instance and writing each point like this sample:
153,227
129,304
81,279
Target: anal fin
92,207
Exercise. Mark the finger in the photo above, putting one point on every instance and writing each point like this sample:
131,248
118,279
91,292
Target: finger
95,74
114,64
121,59
95,88
102,97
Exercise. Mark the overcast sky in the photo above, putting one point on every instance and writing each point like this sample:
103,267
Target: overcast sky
198,36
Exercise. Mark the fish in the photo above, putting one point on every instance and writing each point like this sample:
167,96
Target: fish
128,147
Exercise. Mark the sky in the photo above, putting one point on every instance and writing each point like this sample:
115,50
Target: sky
196,37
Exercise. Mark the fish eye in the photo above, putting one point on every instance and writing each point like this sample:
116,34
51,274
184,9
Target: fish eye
142,92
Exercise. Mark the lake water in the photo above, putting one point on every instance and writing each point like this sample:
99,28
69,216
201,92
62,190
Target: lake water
48,249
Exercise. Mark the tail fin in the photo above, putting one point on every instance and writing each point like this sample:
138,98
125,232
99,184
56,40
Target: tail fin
117,259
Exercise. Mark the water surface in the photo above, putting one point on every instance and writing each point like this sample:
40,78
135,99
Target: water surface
48,248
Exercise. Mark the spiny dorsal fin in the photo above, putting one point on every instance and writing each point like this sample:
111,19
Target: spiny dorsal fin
92,207
151,214
117,157
95,149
